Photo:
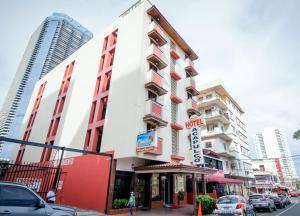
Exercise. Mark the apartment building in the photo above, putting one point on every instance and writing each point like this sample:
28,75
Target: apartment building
53,41
122,86
271,143
225,135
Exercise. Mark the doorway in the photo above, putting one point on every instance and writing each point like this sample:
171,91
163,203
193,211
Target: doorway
167,185
143,191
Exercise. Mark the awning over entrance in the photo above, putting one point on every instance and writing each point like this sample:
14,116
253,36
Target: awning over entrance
174,168
222,180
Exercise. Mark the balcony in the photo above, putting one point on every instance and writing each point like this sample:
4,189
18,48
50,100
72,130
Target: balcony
217,116
176,99
158,149
176,126
154,114
191,86
214,101
175,75
174,54
156,57
192,107
189,68
228,153
155,83
217,132
157,34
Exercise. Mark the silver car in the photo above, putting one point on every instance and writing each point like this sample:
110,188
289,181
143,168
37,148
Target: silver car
19,200
261,201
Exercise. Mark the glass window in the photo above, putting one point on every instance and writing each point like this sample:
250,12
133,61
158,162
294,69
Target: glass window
17,196
227,200
209,96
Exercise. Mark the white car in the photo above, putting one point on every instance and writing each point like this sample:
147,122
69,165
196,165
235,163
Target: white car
233,205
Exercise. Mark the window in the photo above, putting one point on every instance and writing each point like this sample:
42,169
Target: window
208,145
224,146
208,112
17,196
209,96
150,127
189,96
152,96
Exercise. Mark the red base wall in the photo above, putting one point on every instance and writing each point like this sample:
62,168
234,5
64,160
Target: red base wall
84,182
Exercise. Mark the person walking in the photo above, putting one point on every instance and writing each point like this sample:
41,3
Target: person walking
131,203
51,196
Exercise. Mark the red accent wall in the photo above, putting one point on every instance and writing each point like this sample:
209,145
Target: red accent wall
101,93
84,182
56,116
31,121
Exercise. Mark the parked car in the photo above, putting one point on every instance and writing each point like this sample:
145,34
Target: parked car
16,199
294,194
261,201
286,198
278,201
233,205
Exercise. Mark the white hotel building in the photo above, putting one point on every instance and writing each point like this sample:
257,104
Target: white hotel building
135,77
225,135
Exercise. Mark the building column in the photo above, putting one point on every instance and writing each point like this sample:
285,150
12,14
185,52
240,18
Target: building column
111,186
194,186
203,184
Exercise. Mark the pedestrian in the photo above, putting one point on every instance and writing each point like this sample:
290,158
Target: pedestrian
51,196
131,203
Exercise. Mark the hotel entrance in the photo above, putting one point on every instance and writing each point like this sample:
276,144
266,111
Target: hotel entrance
143,190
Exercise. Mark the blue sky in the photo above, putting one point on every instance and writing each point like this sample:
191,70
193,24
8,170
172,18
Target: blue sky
253,46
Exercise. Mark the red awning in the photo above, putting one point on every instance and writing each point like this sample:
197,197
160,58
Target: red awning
222,180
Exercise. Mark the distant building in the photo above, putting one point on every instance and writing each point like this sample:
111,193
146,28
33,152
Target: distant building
225,133
272,143
54,40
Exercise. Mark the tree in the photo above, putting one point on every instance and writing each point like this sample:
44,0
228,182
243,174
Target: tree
297,135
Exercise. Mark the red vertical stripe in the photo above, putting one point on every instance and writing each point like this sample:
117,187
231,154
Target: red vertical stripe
101,93
31,121
56,116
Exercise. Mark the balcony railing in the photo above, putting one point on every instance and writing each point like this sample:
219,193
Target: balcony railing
189,68
191,86
156,57
155,83
215,100
158,149
153,113
216,132
157,34
192,107
174,54
217,116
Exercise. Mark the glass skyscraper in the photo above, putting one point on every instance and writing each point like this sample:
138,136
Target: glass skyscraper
54,40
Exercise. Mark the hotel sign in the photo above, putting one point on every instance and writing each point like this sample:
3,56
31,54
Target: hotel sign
194,125
147,141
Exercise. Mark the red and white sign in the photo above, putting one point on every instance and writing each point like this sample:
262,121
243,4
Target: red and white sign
194,125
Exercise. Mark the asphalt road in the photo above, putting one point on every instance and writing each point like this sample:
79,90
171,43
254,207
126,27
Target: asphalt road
291,210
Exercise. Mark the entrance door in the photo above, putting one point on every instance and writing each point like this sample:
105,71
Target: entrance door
167,189
143,191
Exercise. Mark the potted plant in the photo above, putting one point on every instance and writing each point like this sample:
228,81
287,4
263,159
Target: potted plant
180,196
207,203
156,202
119,206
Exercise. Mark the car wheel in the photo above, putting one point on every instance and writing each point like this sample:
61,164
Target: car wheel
275,209
270,209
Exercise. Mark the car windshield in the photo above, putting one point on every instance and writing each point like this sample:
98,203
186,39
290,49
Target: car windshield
228,200
256,197
275,197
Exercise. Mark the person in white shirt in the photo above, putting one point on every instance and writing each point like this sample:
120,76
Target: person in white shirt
51,196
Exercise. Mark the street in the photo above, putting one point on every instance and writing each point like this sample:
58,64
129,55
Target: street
291,210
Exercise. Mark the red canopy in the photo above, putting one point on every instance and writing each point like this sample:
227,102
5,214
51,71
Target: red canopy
222,180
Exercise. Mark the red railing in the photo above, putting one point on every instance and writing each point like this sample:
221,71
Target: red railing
156,109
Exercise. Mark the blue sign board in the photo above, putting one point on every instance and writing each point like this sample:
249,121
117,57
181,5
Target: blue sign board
147,141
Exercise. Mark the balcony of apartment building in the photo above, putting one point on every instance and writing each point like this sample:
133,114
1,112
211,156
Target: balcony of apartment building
221,149
158,149
212,100
156,34
189,68
191,86
154,113
156,57
192,108
215,132
213,116
154,82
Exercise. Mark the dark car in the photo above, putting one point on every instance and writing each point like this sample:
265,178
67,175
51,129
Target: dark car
278,201
19,200
285,198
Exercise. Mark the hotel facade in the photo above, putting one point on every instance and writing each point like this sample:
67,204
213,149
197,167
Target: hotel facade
137,79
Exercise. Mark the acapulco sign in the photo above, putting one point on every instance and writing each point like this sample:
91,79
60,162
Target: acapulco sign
194,125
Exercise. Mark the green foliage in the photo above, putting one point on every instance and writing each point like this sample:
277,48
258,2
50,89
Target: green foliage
120,203
207,203
156,198
296,135
181,195
298,185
